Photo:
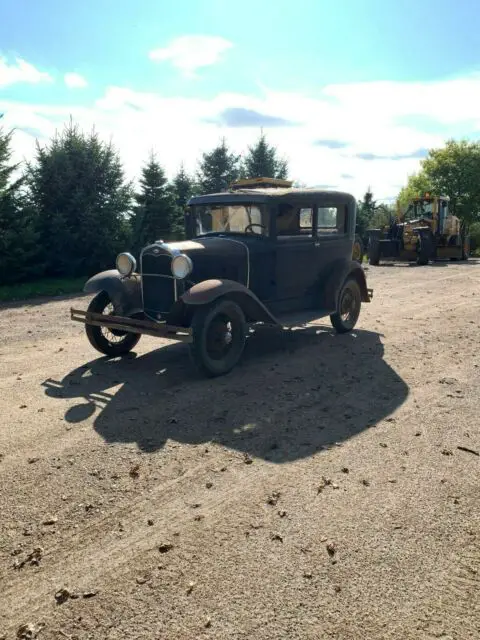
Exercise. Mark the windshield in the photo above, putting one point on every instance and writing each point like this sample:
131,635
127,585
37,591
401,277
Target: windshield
229,218
421,209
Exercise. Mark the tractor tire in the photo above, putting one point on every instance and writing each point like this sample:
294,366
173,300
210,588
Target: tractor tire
424,250
374,252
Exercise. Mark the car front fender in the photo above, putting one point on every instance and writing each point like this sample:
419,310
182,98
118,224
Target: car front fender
125,292
208,291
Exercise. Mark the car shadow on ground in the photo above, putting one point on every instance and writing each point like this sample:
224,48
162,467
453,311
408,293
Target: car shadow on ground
293,394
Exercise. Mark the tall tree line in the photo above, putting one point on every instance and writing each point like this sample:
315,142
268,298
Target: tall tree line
70,210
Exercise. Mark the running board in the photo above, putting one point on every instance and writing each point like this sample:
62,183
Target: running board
297,319
132,325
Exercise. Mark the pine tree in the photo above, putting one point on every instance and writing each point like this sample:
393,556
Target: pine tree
262,161
183,187
365,211
78,189
155,213
18,237
218,169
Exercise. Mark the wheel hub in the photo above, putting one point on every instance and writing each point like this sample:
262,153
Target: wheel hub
220,338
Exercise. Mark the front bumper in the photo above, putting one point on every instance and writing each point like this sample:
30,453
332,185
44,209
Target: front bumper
132,325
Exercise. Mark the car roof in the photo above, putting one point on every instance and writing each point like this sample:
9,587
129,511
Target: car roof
292,195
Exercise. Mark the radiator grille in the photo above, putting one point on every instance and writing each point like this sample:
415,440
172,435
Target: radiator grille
158,284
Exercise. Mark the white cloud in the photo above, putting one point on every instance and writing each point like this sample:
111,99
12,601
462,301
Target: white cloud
74,81
21,72
189,53
367,118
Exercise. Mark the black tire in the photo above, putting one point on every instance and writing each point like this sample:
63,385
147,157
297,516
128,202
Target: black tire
219,334
358,249
99,336
374,252
348,307
424,250
466,249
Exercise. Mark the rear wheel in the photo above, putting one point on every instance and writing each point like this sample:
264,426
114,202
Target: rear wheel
374,252
348,307
111,342
219,334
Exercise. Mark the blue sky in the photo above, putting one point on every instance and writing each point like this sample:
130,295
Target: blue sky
357,88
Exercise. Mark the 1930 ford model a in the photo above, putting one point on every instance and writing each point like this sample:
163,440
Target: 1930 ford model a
262,252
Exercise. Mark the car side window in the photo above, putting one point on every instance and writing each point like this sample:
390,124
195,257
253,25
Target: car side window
331,220
306,221
294,221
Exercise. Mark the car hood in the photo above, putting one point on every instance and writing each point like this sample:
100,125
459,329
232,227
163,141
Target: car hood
216,257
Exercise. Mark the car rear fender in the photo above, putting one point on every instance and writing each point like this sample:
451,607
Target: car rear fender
208,291
125,292
340,272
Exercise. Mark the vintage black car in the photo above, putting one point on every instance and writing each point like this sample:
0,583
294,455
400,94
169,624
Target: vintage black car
262,252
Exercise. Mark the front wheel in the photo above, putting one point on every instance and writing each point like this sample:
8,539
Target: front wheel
424,251
219,334
348,307
111,342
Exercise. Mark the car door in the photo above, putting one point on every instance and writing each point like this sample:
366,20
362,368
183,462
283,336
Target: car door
295,252
332,240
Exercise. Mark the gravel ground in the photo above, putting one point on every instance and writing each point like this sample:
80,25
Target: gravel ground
318,491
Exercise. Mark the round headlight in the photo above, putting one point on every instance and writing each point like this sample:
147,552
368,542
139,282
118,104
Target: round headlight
181,266
126,264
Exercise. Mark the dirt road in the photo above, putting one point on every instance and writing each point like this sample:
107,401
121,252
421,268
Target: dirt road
315,492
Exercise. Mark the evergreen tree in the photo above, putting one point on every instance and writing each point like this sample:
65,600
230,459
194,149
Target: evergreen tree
218,169
18,237
155,213
78,189
183,187
262,161
365,211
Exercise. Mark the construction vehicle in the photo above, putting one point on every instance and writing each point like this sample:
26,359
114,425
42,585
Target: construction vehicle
427,231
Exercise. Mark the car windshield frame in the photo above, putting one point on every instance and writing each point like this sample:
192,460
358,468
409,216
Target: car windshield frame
232,218
417,210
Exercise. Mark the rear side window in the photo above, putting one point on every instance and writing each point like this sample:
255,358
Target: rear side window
306,221
331,220
294,221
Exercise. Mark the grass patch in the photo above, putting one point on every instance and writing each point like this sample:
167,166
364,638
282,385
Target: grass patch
45,287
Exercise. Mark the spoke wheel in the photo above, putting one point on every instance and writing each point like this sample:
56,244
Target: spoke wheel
110,342
348,308
219,335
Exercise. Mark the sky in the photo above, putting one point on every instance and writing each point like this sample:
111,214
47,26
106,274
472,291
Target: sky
352,92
